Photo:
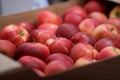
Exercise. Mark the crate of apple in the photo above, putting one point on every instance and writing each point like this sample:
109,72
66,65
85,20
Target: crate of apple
82,36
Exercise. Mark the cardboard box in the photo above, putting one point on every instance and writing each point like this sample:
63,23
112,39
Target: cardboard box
108,69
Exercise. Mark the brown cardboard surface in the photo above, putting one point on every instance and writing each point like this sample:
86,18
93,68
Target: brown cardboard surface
108,69
7,64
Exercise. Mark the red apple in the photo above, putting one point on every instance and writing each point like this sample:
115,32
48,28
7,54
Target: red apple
88,25
104,42
49,27
105,30
108,52
27,25
48,16
115,12
73,19
100,17
39,72
118,37
82,61
32,62
82,50
59,56
83,37
0,35
59,45
67,30
115,22
41,36
7,48
33,49
76,10
57,66
92,6
15,34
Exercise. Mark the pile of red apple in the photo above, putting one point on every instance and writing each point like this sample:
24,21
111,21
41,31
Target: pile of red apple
82,35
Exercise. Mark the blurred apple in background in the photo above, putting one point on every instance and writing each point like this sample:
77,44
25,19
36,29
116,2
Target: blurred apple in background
104,42
73,19
92,6
17,35
59,45
48,16
115,12
32,62
88,25
67,30
48,26
83,37
100,17
75,10
105,31
82,50
115,22
41,36
108,52
32,49
27,25
7,48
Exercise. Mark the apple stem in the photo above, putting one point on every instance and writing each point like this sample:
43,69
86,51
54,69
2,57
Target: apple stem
21,34
112,29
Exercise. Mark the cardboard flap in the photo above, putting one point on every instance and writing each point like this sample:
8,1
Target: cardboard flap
7,64
116,1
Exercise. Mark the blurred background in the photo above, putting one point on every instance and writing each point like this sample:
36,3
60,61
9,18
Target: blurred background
8,7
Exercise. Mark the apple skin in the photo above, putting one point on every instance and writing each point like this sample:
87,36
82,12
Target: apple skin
75,10
108,52
104,42
27,25
32,49
92,6
39,72
59,45
67,30
83,37
7,48
82,50
51,67
115,12
100,17
118,37
73,19
48,26
48,16
59,56
88,25
32,62
41,36
105,30
115,22
15,34
82,61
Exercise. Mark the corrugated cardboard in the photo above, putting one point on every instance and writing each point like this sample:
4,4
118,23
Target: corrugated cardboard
108,69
